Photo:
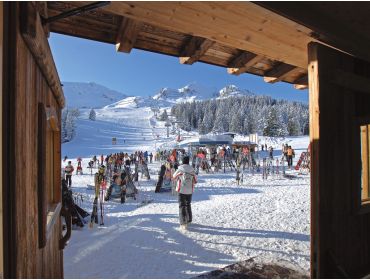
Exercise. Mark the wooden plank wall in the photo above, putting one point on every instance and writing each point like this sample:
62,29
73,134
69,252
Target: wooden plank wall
28,87
340,233
1,150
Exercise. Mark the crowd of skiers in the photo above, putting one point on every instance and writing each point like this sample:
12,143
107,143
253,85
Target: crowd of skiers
115,171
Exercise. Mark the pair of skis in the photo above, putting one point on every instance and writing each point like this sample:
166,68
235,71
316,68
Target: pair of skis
99,195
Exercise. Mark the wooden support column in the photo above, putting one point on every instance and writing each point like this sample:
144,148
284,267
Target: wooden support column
194,50
243,63
127,34
279,72
340,223
2,247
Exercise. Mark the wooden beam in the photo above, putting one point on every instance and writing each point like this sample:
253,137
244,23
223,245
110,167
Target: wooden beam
34,36
326,27
246,61
278,73
301,83
194,50
127,34
241,25
42,8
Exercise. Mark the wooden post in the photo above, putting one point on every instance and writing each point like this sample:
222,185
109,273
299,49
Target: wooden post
313,74
340,232
1,142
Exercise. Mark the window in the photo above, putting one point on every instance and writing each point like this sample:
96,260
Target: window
49,185
365,159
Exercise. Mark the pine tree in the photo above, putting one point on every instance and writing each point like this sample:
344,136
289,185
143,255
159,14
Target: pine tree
163,116
293,127
92,115
236,124
273,125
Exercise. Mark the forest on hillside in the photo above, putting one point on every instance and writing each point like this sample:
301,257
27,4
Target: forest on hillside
244,115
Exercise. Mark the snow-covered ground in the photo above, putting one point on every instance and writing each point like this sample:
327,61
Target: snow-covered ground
265,219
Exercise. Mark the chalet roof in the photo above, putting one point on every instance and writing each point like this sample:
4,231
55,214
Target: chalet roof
268,39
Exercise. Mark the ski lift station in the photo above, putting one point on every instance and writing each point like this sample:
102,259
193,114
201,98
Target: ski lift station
322,46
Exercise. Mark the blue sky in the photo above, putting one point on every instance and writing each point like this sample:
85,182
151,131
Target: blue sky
144,73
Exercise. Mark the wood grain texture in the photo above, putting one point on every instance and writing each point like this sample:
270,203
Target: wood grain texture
34,36
127,34
340,234
194,50
167,28
29,87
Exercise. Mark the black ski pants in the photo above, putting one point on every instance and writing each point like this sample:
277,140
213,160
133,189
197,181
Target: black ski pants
69,180
185,208
290,161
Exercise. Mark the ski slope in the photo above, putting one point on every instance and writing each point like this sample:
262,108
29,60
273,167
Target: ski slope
264,219
134,129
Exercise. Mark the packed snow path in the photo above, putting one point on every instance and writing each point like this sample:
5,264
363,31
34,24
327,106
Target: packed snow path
265,219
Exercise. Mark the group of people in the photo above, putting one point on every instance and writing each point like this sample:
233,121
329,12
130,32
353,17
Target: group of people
120,177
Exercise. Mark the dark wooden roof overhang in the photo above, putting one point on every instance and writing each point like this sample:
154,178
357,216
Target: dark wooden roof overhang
243,37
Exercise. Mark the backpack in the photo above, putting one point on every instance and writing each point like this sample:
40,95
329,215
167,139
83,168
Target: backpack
187,180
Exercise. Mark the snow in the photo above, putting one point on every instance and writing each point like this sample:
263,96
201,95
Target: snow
265,219
232,90
89,95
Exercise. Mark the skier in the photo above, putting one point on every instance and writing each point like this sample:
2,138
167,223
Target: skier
79,160
160,178
65,158
151,157
271,153
116,189
68,171
95,160
99,180
91,163
185,180
290,154
79,166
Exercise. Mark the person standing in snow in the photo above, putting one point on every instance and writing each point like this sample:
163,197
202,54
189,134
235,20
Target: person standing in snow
185,180
271,153
290,153
68,171
151,157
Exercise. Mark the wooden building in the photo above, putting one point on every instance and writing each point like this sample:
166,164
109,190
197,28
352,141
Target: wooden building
320,45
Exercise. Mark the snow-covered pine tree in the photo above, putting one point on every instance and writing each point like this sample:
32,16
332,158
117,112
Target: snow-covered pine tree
236,124
69,116
273,126
92,115
164,116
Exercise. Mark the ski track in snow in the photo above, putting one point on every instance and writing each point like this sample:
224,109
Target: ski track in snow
265,219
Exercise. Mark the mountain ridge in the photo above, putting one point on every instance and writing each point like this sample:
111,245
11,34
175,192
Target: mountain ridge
92,95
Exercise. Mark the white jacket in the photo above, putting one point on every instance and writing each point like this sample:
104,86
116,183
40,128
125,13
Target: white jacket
177,176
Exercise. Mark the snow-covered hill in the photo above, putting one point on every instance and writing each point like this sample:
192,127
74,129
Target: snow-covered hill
89,95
